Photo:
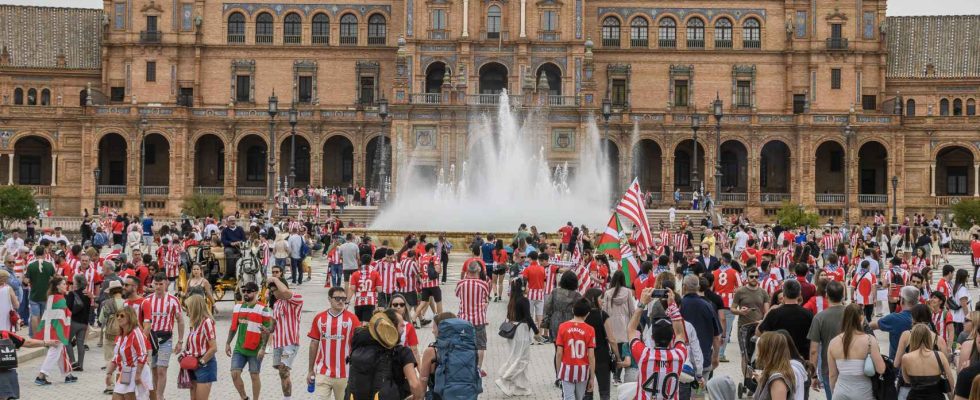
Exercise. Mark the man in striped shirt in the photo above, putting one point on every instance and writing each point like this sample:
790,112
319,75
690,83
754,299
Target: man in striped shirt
285,335
330,340
392,277
251,323
410,270
430,294
473,294
164,309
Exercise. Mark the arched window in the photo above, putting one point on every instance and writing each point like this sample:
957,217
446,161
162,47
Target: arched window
639,32
957,107
255,164
493,22
723,33
668,33
236,28
695,33
971,107
610,32
45,97
944,107
910,108
292,29
377,29
321,29
348,29
19,96
263,28
751,34
32,97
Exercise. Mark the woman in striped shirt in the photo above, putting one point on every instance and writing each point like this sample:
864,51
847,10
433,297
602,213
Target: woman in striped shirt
201,345
129,359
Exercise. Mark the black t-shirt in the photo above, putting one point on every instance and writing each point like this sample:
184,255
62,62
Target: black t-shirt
597,320
794,319
964,380
715,300
697,269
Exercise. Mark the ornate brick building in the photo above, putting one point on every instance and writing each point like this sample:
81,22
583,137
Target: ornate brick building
823,105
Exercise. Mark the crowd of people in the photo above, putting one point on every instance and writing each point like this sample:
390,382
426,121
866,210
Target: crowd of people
803,304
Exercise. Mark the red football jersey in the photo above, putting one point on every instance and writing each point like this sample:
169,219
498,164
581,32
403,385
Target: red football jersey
575,338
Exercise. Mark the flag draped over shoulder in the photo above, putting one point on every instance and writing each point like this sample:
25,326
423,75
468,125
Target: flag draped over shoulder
608,243
631,207
54,321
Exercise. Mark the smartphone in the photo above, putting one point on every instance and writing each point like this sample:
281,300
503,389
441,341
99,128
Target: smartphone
659,293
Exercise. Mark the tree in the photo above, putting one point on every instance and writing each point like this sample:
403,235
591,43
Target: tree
966,212
201,205
792,216
16,204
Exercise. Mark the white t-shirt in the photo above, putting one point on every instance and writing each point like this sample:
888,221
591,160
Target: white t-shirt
959,316
13,245
741,240
800,375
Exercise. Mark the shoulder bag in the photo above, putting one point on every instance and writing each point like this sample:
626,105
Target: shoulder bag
507,329
869,364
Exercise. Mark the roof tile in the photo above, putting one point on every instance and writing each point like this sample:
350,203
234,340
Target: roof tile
35,36
948,42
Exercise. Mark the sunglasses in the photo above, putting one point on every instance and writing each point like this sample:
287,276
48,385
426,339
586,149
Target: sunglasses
339,299
398,305
753,276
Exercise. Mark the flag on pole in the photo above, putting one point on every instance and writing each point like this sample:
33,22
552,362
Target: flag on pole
630,266
608,243
631,207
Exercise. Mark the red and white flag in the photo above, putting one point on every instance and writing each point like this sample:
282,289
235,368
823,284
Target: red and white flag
631,207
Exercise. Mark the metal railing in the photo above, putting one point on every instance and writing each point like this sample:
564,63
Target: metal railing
376,40
210,190
734,197
667,43
774,197
251,191
829,198
723,44
873,198
263,39
439,34
752,44
348,40
425,98
695,43
236,38
156,190
292,39
151,36
549,36
321,39
562,101
950,200
111,189
837,44
39,190
639,42
610,42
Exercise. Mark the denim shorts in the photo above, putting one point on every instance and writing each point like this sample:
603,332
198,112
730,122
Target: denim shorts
37,308
238,361
206,373
162,359
285,355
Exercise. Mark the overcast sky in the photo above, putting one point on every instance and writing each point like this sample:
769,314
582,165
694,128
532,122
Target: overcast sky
895,7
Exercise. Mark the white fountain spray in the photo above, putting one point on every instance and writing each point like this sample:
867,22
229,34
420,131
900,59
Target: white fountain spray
505,181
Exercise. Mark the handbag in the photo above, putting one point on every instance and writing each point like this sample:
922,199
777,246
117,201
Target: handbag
8,353
869,364
507,329
188,362
126,375
943,380
184,380
14,319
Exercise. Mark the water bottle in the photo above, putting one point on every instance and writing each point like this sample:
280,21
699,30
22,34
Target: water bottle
311,386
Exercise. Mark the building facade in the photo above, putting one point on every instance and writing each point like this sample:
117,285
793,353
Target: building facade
826,106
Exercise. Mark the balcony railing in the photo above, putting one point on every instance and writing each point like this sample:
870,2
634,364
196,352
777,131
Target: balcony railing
156,190
836,44
263,39
667,43
549,36
236,38
39,190
723,44
111,189
439,34
251,191
695,43
376,40
829,198
639,42
321,39
873,198
774,197
210,190
734,197
292,39
944,201
752,44
483,99
562,101
425,98
610,42
151,36
348,40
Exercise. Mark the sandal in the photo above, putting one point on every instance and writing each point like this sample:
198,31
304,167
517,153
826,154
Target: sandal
108,391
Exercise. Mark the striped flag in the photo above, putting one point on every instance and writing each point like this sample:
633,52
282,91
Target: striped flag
608,243
631,267
631,207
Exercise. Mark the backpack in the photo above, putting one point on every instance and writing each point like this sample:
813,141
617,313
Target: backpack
100,239
431,271
457,376
304,250
370,374
111,325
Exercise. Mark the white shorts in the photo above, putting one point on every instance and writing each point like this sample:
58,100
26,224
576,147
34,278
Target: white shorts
537,307
285,355
142,391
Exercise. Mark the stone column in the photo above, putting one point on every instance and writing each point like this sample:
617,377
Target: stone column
466,18
231,170
976,180
666,176
932,179
523,18
753,176
54,170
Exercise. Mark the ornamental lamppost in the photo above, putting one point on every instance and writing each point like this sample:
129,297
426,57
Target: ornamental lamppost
695,125
292,152
143,125
98,174
383,114
895,200
271,181
718,114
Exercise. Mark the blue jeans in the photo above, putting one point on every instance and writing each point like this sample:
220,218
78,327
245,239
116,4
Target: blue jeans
25,309
239,360
37,309
296,270
336,274
729,320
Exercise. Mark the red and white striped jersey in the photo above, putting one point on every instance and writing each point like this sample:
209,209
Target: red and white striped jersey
679,241
917,264
424,281
829,241
20,263
727,281
784,258
864,287
575,338
333,334
534,276
835,272
170,260
333,256
286,313
584,278
139,306
410,270
890,279
659,370
942,320
365,286
198,338
93,280
163,311
944,287
771,283
766,238
816,304
472,295
664,237
69,267
392,278
550,277
130,349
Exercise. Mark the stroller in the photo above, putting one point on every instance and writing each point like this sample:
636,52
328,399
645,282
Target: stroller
746,340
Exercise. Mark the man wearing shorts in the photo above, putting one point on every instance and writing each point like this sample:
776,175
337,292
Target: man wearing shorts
250,346
410,269
534,276
164,309
473,293
285,337
430,294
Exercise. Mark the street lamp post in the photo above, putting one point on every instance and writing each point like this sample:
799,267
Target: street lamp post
271,184
292,152
143,124
383,114
98,174
695,125
718,114
848,132
895,200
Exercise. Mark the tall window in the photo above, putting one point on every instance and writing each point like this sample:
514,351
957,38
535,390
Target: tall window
956,181
348,29
799,103
19,96
255,164
723,33
944,107
32,97
695,33
493,22
639,32
292,29
263,28
869,102
743,94
957,107
668,33
243,88
321,29
751,34
305,88
437,20
910,108
549,20
377,29
618,92
971,107
236,28
367,90
45,97
680,93
610,32
151,71
835,78
151,23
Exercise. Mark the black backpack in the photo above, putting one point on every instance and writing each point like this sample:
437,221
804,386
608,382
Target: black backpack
370,376
885,385
431,271
897,278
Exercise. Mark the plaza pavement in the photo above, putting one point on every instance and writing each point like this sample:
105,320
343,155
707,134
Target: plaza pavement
90,382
